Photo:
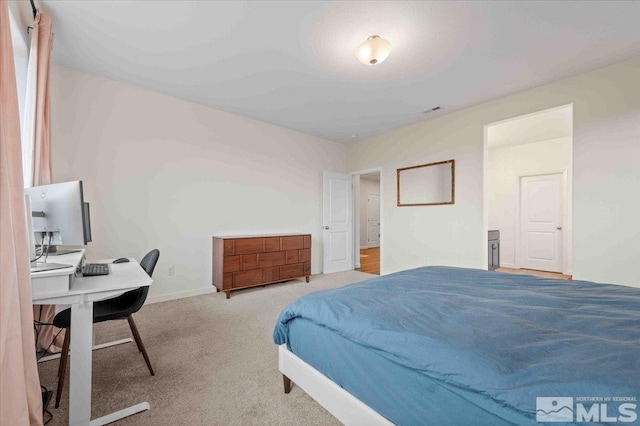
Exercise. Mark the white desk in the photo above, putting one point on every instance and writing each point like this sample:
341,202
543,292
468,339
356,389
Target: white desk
82,292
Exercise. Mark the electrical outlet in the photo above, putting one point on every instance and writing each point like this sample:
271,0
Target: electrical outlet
172,271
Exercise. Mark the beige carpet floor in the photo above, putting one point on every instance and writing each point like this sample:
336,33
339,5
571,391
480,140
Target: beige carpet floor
214,359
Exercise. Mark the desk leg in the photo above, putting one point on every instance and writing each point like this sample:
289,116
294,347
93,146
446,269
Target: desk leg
80,369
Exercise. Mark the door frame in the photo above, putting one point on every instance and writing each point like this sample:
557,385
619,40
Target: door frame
566,222
567,239
356,215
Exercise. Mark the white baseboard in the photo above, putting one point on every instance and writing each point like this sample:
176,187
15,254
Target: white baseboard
508,265
180,295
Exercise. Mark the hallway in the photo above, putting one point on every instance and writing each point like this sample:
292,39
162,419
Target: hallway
370,261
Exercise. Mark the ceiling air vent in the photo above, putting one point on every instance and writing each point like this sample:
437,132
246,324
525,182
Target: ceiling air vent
432,110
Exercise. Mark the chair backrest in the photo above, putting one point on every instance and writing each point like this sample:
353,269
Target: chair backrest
139,295
149,261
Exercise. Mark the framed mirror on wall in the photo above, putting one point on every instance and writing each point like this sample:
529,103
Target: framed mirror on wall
430,184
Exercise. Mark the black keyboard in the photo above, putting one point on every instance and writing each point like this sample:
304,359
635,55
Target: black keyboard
92,269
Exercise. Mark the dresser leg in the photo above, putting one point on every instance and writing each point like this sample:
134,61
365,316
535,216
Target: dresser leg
307,278
217,290
228,294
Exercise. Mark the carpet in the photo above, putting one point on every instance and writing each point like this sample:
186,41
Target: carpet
214,359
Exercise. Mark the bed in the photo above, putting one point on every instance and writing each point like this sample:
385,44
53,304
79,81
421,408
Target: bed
444,345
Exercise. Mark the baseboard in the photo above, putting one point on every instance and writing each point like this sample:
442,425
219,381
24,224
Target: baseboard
180,295
508,265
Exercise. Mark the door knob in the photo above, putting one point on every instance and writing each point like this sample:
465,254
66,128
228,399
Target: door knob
559,228
326,227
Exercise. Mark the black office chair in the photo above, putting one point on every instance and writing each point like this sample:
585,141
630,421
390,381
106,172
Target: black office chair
121,307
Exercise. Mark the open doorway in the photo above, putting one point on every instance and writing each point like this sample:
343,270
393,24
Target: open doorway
529,185
367,222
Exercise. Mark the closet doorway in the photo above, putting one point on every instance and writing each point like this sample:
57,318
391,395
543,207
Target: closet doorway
528,191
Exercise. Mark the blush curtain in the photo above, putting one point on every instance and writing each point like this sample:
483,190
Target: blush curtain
20,397
36,148
37,113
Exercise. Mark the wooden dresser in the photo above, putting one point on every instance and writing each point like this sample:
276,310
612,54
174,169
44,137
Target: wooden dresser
244,261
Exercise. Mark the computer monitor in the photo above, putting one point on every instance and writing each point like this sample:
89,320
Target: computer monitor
86,221
59,211
29,220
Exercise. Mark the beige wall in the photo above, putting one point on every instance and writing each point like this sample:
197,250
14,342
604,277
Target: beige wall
166,173
505,167
606,177
162,172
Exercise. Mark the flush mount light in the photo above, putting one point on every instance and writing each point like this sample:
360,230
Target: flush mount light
373,51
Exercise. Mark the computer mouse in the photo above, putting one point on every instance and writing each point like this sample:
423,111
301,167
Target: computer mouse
121,260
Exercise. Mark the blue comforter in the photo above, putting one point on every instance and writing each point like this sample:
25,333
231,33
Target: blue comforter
511,338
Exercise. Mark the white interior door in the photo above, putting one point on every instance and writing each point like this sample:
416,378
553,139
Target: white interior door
541,222
337,234
373,221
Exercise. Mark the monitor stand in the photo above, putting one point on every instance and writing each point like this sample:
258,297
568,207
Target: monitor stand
55,251
41,266
61,252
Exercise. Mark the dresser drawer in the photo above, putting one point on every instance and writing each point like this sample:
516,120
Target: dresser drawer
305,255
292,256
249,245
227,280
291,271
271,244
271,259
249,261
270,274
228,248
293,242
247,278
231,264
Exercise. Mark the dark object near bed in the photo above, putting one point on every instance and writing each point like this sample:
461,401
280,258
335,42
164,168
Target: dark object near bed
494,250
461,346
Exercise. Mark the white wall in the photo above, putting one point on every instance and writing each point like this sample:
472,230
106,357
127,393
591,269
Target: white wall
505,167
367,187
606,177
165,173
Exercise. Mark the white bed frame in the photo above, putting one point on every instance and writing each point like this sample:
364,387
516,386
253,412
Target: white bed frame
344,406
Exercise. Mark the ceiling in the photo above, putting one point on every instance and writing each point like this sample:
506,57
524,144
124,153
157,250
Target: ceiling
541,126
292,64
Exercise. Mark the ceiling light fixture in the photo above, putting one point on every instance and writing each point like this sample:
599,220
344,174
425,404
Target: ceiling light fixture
373,51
